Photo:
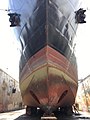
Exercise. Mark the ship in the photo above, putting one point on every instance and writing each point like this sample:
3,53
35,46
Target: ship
45,29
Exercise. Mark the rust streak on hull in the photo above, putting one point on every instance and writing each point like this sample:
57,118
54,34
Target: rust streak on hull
47,80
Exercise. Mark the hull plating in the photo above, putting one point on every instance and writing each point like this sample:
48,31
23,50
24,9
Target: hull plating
51,81
48,68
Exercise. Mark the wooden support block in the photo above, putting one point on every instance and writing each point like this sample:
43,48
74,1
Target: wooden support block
48,118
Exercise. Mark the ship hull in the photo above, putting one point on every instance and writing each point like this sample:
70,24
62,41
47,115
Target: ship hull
48,68
51,82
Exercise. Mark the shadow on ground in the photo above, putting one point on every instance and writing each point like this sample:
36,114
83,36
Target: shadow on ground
59,117
27,117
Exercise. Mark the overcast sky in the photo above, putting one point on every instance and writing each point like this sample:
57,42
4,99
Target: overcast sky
9,54
83,44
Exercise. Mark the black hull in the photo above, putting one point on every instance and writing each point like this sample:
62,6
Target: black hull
47,23
51,22
49,26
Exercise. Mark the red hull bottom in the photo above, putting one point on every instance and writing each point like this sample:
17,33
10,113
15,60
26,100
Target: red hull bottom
48,80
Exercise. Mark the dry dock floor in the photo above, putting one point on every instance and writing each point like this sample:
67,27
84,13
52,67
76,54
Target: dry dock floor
20,115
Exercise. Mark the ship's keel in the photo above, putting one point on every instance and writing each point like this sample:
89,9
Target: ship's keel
34,111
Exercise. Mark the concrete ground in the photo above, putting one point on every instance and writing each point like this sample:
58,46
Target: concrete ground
11,115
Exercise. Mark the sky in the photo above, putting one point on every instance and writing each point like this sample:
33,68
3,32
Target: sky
83,44
9,54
